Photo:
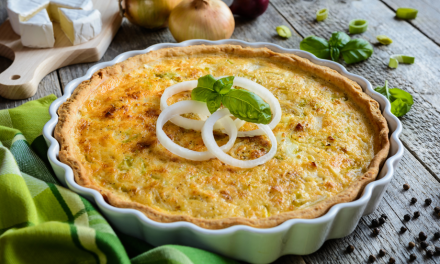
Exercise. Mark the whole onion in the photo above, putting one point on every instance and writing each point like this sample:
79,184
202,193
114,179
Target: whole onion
201,19
249,8
147,13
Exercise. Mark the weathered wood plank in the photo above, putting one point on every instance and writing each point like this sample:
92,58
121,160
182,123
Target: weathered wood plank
420,79
428,18
395,204
49,85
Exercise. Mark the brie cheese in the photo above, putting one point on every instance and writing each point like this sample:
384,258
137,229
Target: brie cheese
55,5
37,32
80,25
23,10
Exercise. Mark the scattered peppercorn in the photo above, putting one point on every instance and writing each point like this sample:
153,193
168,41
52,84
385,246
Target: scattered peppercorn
406,186
437,249
372,258
374,223
407,217
411,245
416,214
437,235
422,236
384,216
412,257
375,232
437,210
428,201
382,252
403,229
392,261
429,253
413,200
350,249
424,244
381,221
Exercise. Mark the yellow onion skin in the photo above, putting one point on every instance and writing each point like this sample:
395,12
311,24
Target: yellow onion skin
201,19
149,13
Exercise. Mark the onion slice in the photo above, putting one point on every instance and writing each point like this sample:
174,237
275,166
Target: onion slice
191,106
211,144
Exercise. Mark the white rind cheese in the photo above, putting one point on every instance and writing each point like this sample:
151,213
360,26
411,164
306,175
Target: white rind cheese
80,25
23,11
37,32
55,5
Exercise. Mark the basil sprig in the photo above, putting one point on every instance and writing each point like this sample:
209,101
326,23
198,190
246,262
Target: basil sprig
352,50
401,101
242,104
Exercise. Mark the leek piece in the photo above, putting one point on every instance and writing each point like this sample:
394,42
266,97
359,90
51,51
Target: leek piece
357,26
406,13
396,59
322,14
284,32
385,40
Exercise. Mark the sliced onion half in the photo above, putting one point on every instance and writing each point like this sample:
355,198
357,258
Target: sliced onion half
191,106
211,144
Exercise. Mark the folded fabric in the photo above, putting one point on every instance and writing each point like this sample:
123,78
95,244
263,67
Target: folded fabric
43,222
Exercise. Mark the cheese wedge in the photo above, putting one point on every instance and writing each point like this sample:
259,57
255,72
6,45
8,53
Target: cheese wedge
55,5
23,10
37,32
80,25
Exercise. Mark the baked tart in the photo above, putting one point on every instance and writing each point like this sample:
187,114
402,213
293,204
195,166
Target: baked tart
331,139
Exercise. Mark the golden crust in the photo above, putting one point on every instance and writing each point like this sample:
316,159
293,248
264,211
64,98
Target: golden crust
68,111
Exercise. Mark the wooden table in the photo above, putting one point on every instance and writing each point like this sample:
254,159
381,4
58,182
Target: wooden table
420,166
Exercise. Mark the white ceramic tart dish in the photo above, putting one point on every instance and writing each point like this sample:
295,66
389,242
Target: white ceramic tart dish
256,245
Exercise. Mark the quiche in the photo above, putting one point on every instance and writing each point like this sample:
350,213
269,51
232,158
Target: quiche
331,141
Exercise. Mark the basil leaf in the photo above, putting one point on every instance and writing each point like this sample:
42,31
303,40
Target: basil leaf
223,85
399,107
401,101
213,102
338,40
397,93
317,46
201,94
384,91
206,81
247,106
334,54
356,50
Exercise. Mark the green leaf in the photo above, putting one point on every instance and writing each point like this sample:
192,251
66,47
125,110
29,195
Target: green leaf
214,101
356,50
247,106
223,85
317,46
201,94
384,91
206,81
338,40
334,54
401,101
399,107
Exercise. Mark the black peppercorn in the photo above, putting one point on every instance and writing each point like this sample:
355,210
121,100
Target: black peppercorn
392,261
384,216
375,232
350,249
411,245
437,209
416,214
372,258
437,235
374,223
429,253
412,257
413,200
382,252
422,236
428,201
403,229
424,244
406,186
381,221
407,217
437,250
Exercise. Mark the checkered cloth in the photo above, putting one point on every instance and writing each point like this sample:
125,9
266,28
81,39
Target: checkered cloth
42,222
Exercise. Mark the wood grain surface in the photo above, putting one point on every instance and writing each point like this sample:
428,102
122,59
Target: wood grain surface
420,166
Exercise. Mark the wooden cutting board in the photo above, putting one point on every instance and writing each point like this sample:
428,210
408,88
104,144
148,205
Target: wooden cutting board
30,65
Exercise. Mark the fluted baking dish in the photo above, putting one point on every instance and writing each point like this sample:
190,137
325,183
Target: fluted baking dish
295,236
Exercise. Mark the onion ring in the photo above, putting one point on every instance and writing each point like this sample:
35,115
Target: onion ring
211,144
191,106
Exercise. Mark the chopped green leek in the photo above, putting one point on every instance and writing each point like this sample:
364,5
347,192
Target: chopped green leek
385,40
322,14
395,59
406,13
284,32
358,26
